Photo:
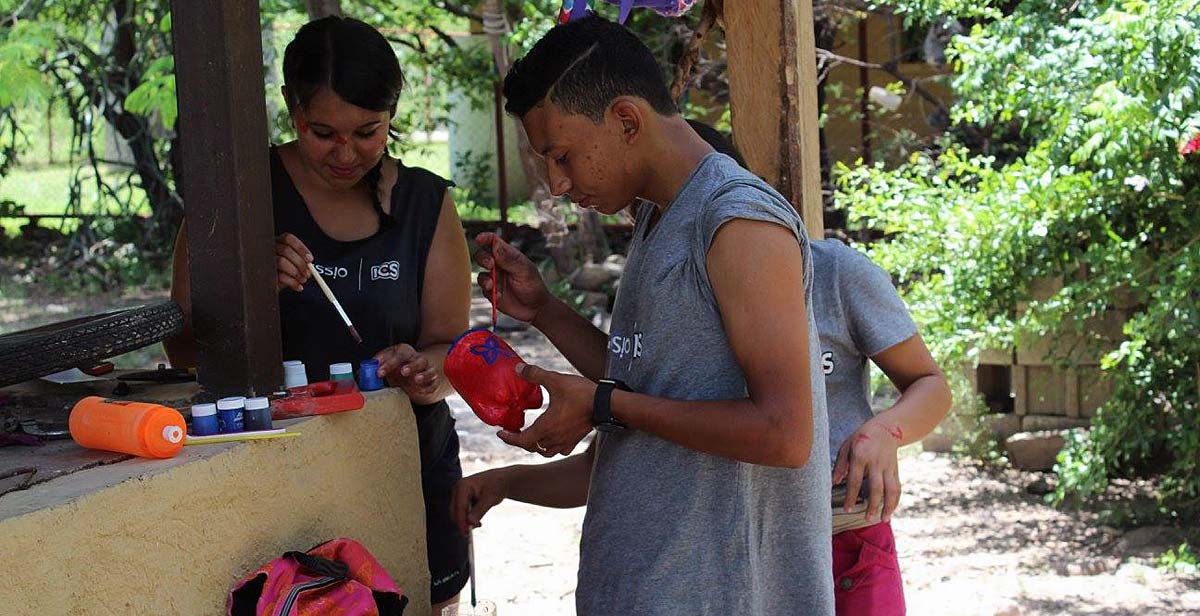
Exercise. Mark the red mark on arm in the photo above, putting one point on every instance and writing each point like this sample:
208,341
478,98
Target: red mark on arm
862,437
896,433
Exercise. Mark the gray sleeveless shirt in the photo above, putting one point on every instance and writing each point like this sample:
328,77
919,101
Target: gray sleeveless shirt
670,530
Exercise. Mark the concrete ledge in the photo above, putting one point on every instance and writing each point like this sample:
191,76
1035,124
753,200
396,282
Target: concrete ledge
171,536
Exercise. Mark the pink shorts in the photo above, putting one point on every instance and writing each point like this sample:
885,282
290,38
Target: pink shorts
866,572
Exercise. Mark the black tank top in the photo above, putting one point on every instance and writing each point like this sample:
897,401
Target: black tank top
376,279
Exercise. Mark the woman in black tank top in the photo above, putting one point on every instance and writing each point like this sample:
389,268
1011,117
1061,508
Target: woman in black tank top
387,241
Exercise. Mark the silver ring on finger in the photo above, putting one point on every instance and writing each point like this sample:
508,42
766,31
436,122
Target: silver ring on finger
539,447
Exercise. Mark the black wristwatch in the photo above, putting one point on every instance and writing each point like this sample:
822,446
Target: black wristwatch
602,417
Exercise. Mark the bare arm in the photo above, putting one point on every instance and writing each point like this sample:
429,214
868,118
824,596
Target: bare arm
582,343
869,454
523,295
773,425
181,348
924,393
445,298
561,484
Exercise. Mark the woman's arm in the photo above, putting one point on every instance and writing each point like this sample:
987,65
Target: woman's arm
445,297
181,348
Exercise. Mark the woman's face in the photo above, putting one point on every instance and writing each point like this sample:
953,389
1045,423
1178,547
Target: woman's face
339,141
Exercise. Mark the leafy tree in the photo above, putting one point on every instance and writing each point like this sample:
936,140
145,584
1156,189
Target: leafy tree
1069,159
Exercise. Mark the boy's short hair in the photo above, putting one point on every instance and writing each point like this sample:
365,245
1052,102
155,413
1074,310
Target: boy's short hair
582,66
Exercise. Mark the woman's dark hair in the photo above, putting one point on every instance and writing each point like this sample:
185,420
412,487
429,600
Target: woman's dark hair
350,58
718,141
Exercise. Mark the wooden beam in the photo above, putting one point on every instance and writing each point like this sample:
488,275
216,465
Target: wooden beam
225,184
773,95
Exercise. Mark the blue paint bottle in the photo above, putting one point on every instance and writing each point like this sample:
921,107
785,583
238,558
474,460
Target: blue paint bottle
368,375
230,412
204,420
258,414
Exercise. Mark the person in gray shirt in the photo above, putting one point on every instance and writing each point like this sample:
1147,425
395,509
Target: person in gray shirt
707,486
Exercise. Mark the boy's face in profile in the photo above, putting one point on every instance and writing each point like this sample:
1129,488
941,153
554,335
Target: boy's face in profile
590,163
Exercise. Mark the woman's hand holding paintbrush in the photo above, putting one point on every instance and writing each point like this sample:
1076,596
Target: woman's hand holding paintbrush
292,258
294,267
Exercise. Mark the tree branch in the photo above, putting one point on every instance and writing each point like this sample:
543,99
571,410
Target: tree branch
446,38
891,67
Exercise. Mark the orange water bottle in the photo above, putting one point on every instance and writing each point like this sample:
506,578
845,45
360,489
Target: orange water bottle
138,428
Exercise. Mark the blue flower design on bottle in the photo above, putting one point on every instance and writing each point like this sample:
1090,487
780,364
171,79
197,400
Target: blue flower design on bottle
491,350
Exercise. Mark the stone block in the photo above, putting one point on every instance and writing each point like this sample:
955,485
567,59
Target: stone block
1034,451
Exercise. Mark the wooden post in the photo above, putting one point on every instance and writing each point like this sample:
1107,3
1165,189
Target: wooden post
773,96
226,192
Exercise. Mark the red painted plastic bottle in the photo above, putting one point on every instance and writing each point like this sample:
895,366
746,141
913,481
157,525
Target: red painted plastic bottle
138,428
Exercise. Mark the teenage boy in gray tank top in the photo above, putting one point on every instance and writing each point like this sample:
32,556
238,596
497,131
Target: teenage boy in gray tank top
709,482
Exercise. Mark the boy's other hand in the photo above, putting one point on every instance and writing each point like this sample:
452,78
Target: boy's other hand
475,495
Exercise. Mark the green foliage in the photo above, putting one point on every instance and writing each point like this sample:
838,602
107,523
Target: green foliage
1066,163
156,94
1180,560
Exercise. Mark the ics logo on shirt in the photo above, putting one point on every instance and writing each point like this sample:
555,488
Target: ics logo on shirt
388,270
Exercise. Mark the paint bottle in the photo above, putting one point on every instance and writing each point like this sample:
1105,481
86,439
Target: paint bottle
258,414
230,412
294,375
204,420
138,428
341,371
368,375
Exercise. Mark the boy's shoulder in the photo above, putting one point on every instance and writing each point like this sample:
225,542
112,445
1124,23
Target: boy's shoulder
727,189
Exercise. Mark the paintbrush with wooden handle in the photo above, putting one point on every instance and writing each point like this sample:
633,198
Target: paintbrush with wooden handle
333,300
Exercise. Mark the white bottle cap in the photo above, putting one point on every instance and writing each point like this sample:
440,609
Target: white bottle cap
254,404
204,410
294,374
173,434
229,404
342,368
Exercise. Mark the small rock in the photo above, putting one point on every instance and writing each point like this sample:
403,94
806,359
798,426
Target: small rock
1003,425
1034,451
614,270
592,277
1149,540
1039,487
592,301
1038,423
616,259
937,443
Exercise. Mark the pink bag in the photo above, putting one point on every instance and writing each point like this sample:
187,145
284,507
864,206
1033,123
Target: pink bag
336,577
